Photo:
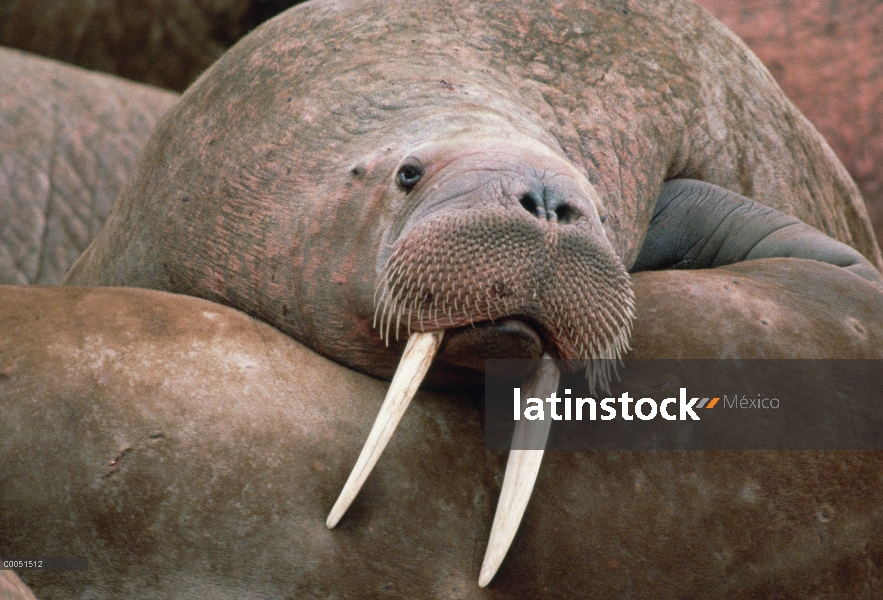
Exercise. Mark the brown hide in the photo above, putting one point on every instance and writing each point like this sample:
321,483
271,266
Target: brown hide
190,451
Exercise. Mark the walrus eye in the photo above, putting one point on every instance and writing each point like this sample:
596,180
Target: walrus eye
408,176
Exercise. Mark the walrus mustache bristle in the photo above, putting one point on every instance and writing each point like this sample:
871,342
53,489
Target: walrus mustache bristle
409,294
601,367
398,296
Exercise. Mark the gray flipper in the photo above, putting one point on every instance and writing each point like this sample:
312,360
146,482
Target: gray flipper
698,225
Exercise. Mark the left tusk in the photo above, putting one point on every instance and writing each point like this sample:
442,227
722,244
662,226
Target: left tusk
412,369
521,473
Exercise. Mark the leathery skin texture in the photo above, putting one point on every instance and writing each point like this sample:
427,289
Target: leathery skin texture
271,186
828,58
70,140
179,448
191,451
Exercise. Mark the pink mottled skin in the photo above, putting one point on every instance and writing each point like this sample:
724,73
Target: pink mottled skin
70,139
271,186
190,450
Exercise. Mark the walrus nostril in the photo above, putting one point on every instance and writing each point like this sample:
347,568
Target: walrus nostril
533,204
548,208
566,214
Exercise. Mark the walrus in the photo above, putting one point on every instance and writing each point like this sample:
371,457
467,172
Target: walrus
826,56
774,308
351,180
70,139
188,450
231,148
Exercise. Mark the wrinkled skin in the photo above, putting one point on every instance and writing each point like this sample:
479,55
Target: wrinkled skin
828,58
70,140
190,451
167,43
697,225
294,140
817,510
825,55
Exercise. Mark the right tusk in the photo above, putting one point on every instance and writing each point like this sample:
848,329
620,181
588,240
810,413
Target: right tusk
412,369
521,473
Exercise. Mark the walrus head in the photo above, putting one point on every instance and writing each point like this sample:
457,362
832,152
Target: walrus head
500,229
457,219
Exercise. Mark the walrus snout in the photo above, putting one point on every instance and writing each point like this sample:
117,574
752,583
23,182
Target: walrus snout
546,204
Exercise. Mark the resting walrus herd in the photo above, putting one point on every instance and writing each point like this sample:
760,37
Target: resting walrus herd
400,191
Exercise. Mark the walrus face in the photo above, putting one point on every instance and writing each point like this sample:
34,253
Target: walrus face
501,230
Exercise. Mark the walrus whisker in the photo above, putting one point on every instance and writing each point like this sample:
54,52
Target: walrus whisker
383,307
398,311
387,306
623,308
610,334
382,284
389,319
384,319
412,306
392,271
393,312
521,473
598,368
397,274
388,273
401,302
412,368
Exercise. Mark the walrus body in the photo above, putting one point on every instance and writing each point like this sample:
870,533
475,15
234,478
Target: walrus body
272,186
826,56
70,139
315,178
190,451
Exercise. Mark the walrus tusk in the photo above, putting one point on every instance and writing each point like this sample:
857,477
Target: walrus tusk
521,473
412,368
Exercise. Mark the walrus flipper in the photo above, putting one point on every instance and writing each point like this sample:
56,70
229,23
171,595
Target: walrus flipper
698,225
